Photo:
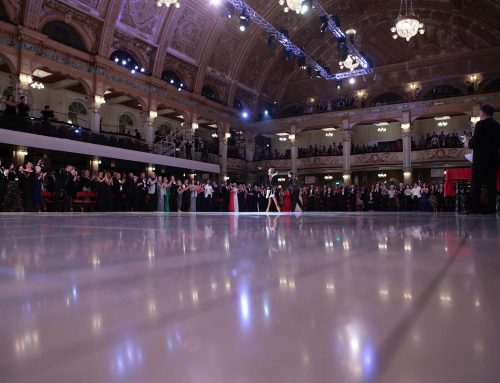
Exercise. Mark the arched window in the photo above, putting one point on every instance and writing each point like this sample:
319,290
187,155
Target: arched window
387,98
64,33
126,124
77,113
173,79
238,105
209,93
126,60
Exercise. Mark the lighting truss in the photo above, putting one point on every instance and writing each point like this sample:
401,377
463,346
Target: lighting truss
290,46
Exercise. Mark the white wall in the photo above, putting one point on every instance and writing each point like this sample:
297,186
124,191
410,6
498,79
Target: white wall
369,135
455,124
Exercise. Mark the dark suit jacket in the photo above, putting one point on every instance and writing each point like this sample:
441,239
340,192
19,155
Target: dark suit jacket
486,142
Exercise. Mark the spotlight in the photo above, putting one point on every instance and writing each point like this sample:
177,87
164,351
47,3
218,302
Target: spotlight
324,23
302,62
244,114
143,70
338,83
288,55
136,67
242,27
172,81
306,4
132,71
266,112
352,80
215,2
244,20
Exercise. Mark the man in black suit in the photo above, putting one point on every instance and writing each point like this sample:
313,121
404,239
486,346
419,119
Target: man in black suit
485,142
294,186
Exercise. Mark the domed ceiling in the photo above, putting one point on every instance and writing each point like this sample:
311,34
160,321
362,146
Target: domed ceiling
205,48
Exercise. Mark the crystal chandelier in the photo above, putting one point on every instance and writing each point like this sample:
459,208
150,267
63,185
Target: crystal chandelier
292,5
351,62
168,3
407,23
37,85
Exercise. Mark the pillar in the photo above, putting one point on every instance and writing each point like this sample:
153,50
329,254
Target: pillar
346,150
223,132
294,152
249,154
148,127
95,113
406,138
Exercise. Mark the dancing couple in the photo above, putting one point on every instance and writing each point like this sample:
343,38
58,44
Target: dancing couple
270,185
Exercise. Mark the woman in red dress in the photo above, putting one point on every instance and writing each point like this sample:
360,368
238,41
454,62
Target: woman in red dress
287,201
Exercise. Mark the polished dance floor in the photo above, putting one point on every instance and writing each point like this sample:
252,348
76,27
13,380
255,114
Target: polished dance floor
216,298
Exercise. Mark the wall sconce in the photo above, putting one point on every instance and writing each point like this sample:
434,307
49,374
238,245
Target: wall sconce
25,80
281,179
214,135
346,176
474,120
195,125
292,138
99,100
382,175
227,135
328,178
153,114
226,178
407,174
405,126
37,85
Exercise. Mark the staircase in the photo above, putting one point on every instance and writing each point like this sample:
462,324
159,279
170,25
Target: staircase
166,146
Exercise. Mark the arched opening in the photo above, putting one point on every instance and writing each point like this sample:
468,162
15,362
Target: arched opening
387,98
4,15
173,79
238,105
435,132
127,60
77,114
65,34
377,137
121,115
209,93
441,91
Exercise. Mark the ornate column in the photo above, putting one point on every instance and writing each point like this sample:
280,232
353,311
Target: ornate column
148,127
346,150
95,113
223,133
406,138
294,152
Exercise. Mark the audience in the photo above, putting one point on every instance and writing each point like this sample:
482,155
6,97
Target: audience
34,188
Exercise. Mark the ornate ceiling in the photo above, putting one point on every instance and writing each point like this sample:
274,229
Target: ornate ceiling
205,48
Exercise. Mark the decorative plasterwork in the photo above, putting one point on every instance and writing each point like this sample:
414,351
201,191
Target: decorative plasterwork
377,158
224,53
441,154
186,71
189,31
237,164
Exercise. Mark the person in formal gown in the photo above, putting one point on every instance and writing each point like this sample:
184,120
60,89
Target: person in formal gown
161,194
233,199
287,201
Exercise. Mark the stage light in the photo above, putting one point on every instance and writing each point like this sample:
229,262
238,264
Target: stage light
143,70
132,71
215,2
266,112
352,80
242,27
244,114
306,5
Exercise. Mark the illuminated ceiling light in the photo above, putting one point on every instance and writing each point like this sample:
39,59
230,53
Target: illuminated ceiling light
292,5
244,114
407,24
352,80
382,175
329,129
442,123
168,3
37,85
329,134
381,123
328,177
442,118
351,62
